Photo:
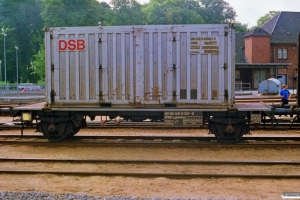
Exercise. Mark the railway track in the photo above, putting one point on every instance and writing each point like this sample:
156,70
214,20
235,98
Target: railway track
152,168
153,141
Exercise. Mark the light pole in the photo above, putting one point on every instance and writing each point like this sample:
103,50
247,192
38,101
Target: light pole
17,65
4,34
0,78
0,75
0,72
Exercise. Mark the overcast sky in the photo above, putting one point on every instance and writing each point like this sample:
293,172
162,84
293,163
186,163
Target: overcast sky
249,11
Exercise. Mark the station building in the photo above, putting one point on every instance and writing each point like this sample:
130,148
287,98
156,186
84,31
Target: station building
269,51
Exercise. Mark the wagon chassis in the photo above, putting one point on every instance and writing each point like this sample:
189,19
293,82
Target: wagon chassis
57,124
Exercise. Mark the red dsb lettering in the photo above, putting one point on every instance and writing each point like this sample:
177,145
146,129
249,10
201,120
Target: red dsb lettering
71,45
81,45
62,45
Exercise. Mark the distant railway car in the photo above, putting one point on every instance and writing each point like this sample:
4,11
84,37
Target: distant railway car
182,75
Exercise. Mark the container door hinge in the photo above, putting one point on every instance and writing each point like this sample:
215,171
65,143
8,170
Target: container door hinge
51,36
52,67
225,66
174,66
174,94
226,33
100,40
52,96
174,39
226,94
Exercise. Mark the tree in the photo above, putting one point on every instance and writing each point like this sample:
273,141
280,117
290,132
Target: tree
21,22
155,13
261,21
173,12
72,12
217,12
107,13
239,27
37,67
126,12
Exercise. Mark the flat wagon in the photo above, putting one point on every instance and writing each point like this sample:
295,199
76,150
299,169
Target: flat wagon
182,75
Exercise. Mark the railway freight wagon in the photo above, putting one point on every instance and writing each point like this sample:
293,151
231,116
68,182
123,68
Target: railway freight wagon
182,75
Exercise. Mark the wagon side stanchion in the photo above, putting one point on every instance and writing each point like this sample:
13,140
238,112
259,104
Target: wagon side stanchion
22,127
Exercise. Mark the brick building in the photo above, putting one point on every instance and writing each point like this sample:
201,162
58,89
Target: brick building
257,46
269,51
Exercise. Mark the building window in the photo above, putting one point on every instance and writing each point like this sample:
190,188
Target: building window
279,53
282,54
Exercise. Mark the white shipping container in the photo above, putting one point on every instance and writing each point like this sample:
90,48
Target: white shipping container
141,66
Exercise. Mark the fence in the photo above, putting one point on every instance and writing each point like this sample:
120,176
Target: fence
11,90
240,86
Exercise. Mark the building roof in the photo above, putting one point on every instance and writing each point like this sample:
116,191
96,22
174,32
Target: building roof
257,32
284,28
240,58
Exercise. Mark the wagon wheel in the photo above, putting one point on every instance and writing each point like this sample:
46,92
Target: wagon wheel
74,130
228,133
58,131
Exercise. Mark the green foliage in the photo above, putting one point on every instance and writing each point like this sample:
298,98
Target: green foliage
239,27
72,12
217,12
173,12
125,12
37,67
23,22
261,21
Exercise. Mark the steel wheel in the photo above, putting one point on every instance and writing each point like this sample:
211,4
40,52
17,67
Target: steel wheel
75,129
58,131
228,133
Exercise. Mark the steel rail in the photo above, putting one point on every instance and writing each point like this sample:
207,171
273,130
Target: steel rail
158,138
121,143
153,174
185,162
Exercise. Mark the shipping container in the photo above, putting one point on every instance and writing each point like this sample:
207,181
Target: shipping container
141,66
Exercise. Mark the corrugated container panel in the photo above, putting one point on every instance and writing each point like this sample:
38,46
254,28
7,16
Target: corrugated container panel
141,65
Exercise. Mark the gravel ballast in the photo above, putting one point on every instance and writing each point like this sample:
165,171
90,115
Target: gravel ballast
49,196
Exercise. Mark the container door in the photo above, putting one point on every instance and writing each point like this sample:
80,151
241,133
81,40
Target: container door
72,65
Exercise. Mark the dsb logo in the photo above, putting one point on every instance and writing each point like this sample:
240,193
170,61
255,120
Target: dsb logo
71,45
